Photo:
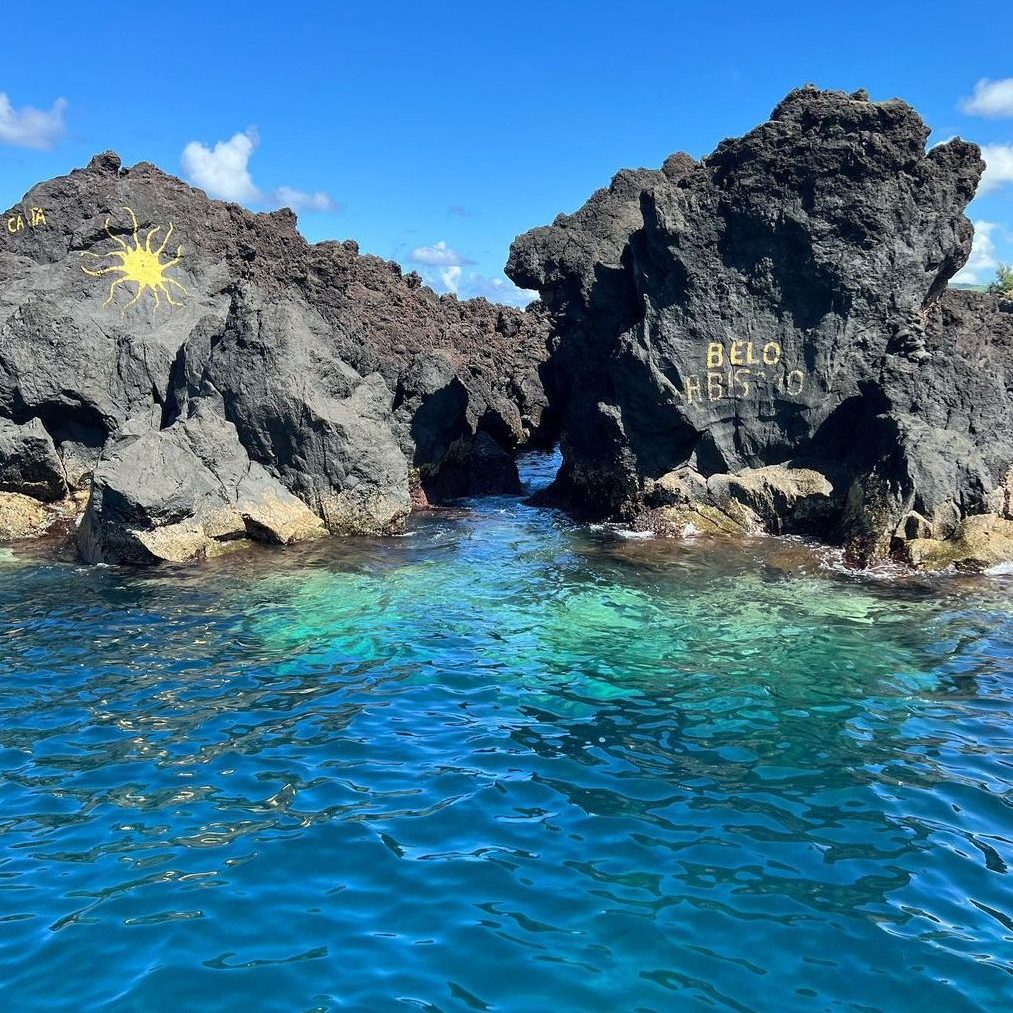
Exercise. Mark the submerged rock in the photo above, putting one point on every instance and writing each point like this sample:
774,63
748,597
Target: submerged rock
782,304
210,376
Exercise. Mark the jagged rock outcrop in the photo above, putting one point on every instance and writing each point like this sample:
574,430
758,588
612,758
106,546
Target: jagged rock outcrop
780,305
146,330
946,437
185,492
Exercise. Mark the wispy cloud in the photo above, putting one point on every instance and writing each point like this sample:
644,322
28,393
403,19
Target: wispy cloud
437,255
998,166
495,289
224,171
442,268
440,265
31,128
982,263
990,98
461,212
299,200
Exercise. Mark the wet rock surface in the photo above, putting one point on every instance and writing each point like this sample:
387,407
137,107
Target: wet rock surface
209,375
783,304
185,492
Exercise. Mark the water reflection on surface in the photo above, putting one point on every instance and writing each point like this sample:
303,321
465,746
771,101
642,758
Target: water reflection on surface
504,763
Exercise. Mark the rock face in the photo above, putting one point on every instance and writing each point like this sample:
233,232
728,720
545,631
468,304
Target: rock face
183,492
780,305
211,376
29,463
21,516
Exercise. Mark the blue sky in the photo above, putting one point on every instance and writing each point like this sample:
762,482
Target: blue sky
433,133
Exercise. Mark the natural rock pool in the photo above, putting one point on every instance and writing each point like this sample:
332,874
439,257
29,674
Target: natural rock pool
506,762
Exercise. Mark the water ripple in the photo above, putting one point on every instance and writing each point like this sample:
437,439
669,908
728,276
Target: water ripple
508,763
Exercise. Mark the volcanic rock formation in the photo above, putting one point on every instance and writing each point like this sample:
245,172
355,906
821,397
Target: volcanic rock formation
761,341
207,375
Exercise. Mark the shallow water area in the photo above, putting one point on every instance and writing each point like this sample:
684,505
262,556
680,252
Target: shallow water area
506,762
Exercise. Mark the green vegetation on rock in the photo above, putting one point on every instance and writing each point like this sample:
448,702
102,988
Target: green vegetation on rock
1003,283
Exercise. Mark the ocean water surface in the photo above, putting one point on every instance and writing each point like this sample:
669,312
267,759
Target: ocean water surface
510,763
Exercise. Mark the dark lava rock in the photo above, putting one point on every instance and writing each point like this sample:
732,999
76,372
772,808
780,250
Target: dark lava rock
29,464
778,306
185,492
138,318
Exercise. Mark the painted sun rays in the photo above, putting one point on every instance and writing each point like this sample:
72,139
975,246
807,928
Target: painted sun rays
139,263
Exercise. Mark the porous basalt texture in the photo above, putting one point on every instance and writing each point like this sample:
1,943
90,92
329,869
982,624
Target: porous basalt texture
257,369
781,304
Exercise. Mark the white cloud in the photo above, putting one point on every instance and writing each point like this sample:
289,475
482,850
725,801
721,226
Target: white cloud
299,200
990,98
982,263
31,128
224,171
440,265
437,255
496,289
450,277
998,166
442,268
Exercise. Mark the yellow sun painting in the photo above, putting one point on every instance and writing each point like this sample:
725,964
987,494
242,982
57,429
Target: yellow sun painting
139,264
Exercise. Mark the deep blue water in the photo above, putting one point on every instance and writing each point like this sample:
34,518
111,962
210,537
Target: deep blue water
507,763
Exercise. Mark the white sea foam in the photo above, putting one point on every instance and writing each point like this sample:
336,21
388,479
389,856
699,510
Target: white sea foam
618,532
832,558
1000,570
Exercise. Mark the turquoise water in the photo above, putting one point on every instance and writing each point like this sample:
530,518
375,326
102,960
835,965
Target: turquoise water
504,763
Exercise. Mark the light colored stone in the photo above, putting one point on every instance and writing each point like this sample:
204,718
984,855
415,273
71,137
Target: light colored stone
21,516
363,511
273,519
1005,508
702,519
176,543
773,496
678,487
981,541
